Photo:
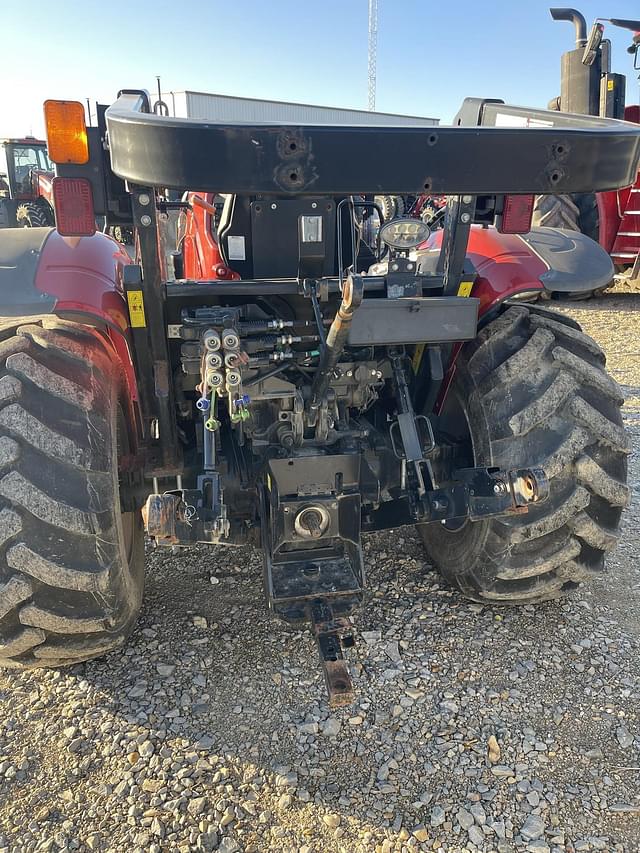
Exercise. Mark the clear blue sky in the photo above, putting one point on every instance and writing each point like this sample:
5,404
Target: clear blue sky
430,54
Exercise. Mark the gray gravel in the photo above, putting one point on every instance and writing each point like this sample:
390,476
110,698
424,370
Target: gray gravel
475,729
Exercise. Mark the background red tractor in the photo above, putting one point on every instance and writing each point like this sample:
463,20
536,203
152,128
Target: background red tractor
25,184
588,86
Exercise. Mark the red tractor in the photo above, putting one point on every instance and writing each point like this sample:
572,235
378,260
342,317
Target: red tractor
588,86
276,382
25,184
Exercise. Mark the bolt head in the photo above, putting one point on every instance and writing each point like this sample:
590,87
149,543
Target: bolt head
466,217
145,220
274,206
466,199
144,199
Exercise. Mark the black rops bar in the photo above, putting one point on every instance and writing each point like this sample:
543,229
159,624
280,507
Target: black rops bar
556,153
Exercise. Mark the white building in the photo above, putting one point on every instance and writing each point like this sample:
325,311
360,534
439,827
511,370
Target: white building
222,108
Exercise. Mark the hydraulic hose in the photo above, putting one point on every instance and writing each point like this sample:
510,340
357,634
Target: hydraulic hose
335,343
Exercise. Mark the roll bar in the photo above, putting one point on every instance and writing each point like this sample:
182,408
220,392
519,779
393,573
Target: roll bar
493,148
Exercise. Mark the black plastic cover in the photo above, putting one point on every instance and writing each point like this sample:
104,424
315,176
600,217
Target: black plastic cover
576,263
429,319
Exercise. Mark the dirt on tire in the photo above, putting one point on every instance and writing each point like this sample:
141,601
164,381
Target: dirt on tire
71,564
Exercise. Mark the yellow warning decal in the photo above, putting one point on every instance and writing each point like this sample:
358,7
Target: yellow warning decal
417,357
465,288
610,85
136,309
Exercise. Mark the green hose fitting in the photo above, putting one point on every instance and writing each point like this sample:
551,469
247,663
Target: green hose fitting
212,423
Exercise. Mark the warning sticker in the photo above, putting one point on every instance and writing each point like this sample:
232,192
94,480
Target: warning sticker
236,248
505,120
465,288
417,357
136,309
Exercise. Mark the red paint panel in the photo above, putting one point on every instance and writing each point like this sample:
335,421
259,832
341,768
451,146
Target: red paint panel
85,272
85,275
200,252
504,263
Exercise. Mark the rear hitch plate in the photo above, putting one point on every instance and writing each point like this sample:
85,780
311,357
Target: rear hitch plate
333,634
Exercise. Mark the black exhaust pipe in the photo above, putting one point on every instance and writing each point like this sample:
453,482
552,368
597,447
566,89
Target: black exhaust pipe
578,21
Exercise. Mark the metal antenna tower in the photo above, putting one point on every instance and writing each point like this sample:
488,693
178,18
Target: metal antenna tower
373,49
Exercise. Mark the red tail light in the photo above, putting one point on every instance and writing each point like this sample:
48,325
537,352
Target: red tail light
73,202
516,214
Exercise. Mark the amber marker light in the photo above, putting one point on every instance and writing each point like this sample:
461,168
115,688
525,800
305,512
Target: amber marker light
66,132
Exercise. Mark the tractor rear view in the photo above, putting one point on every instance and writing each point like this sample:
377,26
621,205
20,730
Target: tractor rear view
277,381
25,184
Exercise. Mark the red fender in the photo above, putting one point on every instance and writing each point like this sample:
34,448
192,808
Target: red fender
84,275
509,265
505,266
504,263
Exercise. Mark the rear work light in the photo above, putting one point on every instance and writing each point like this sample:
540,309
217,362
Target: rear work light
66,132
73,203
516,214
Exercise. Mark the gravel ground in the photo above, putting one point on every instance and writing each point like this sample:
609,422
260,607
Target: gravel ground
475,728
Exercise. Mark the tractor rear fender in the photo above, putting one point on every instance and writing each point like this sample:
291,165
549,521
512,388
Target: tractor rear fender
75,278
508,265
575,263
512,265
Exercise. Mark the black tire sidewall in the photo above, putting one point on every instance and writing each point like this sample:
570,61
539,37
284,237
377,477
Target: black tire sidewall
459,551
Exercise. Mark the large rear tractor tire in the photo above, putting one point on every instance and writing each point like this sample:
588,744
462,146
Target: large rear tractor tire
71,562
31,215
532,390
556,211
